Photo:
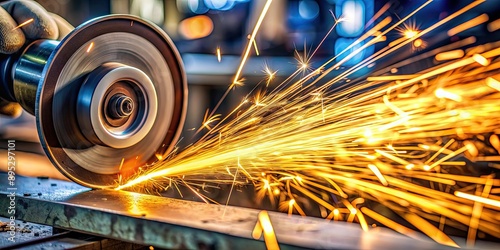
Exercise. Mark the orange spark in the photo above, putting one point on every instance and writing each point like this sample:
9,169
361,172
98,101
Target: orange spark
481,59
449,55
90,47
441,93
218,54
23,24
290,206
494,26
493,83
256,48
267,227
469,24
417,43
252,39
377,173
487,201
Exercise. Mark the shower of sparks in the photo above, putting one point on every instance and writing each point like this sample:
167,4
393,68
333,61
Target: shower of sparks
23,24
406,142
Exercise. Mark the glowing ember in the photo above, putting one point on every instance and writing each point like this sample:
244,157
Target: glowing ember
418,43
410,33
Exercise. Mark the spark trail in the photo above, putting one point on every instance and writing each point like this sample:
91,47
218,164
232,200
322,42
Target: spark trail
422,144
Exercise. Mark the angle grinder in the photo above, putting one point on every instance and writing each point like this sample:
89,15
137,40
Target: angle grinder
109,98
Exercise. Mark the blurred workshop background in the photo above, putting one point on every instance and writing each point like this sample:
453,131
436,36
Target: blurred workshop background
292,29
200,27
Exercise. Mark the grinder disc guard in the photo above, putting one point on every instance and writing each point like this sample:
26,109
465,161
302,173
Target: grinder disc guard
112,98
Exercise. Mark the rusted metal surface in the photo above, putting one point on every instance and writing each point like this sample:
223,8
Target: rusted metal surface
65,240
172,223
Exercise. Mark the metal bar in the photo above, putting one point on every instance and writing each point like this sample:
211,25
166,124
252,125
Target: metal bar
172,223
75,241
35,241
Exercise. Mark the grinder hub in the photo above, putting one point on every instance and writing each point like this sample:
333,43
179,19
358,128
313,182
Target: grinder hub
109,98
117,105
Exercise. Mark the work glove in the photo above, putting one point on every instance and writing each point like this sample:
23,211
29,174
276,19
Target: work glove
21,22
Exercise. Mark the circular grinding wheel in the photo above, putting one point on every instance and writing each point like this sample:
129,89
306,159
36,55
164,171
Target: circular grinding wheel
112,99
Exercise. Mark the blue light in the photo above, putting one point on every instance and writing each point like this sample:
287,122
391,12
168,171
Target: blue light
353,11
229,5
342,43
196,6
220,4
308,9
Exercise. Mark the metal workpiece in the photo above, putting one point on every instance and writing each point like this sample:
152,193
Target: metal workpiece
172,223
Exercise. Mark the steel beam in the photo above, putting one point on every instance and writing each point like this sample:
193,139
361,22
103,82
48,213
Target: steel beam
172,223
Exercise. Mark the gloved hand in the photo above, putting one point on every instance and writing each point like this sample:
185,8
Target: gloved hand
45,25
38,24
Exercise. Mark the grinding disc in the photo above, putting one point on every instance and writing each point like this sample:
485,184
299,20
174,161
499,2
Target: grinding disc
62,119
